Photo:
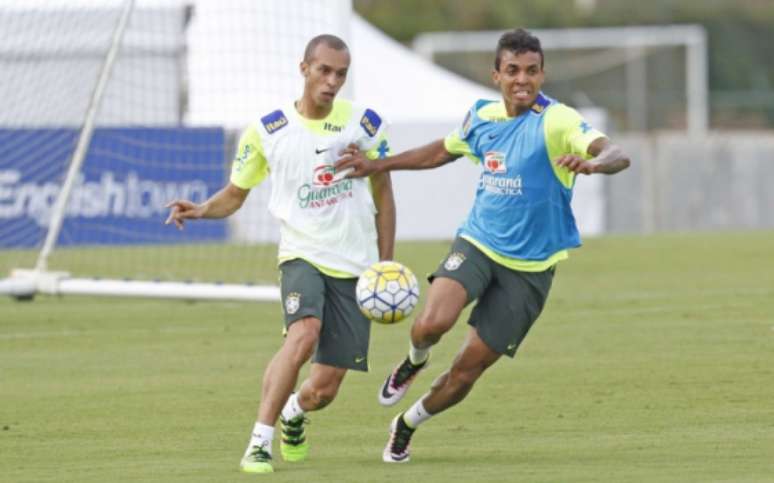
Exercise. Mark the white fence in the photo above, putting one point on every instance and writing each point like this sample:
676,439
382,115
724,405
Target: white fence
681,183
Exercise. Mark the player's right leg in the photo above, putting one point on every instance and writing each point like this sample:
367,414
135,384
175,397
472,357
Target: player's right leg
449,389
462,277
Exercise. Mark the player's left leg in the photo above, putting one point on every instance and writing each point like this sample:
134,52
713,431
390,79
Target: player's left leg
315,393
448,389
343,345
321,387
302,289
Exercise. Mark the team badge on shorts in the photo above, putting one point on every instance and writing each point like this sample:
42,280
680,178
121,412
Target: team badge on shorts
292,302
454,261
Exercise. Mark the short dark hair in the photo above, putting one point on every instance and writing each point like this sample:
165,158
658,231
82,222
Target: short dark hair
518,41
330,40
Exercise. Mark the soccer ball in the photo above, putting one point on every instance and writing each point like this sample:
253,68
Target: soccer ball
387,292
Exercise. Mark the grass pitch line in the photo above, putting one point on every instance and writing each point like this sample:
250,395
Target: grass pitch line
81,333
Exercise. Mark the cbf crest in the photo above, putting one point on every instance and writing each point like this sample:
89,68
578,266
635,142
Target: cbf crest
292,303
453,261
242,157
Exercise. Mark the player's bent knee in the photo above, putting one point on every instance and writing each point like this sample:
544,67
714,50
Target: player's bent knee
464,378
433,326
436,320
302,345
303,352
304,332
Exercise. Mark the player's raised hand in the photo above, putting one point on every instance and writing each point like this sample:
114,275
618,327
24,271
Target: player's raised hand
354,160
180,210
576,164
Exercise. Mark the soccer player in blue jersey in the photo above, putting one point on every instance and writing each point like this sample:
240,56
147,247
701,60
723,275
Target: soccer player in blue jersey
531,147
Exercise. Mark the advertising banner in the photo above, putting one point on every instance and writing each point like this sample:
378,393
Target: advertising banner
120,196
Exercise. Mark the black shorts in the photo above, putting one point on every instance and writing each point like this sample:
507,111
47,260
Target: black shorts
345,332
509,301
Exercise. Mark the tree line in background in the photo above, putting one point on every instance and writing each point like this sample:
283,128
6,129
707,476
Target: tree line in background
740,34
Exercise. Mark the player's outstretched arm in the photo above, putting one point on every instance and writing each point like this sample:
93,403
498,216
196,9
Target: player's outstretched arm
428,156
220,205
385,215
608,158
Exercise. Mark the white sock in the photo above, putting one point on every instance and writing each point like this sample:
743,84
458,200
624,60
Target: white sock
262,435
416,415
418,356
292,409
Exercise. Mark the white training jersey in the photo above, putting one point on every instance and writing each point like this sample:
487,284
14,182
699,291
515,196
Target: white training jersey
324,218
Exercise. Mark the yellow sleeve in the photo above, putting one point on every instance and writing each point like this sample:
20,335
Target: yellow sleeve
249,168
454,144
567,132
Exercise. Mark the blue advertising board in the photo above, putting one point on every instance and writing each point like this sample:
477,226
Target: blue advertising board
120,196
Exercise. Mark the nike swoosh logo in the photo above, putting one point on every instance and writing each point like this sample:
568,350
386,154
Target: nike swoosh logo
358,360
386,388
319,151
492,136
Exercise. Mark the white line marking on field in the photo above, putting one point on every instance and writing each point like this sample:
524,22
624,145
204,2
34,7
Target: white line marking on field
82,333
688,308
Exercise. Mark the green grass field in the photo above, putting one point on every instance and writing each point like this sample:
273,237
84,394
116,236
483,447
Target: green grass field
653,361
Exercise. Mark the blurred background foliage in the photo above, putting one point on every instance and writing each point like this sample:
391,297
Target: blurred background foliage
740,34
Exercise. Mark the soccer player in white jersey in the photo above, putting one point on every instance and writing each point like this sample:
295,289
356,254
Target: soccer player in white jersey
521,225
331,230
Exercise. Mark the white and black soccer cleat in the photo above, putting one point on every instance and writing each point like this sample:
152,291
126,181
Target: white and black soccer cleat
397,449
398,382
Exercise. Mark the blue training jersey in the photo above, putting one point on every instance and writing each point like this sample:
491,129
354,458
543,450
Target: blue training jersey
522,205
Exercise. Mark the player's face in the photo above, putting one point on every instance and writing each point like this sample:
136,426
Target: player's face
324,74
519,78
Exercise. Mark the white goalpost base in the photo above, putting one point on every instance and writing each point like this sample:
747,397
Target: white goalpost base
27,283
18,287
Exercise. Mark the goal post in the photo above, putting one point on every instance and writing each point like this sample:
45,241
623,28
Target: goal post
84,139
610,59
117,107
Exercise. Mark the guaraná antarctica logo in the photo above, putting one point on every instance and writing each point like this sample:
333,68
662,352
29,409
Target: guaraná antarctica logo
325,189
494,162
323,175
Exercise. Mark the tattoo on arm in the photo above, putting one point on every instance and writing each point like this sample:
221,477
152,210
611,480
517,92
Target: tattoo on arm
609,158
